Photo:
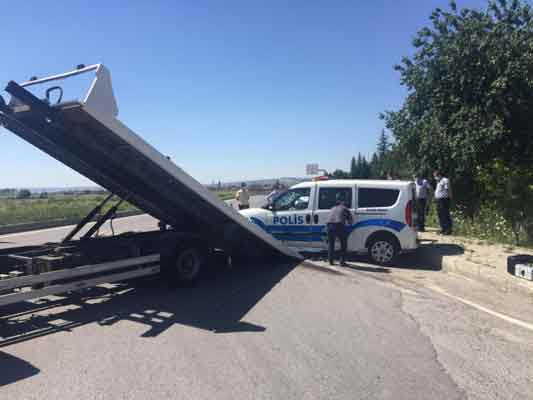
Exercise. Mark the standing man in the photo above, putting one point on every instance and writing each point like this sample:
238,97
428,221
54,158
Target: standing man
338,217
421,192
276,191
443,195
243,197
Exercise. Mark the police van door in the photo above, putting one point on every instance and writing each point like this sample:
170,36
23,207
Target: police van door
291,218
326,198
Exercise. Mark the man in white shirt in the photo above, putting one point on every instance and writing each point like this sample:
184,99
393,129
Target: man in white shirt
243,197
443,195
422,189
273,194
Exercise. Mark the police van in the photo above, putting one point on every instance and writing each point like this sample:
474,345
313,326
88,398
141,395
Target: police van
383,216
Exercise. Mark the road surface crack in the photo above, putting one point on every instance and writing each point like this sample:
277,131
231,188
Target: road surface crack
434,352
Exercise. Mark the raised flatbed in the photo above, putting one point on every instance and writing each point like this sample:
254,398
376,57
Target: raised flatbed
86,136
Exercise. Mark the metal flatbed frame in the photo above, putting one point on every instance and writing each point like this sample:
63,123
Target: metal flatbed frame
87,136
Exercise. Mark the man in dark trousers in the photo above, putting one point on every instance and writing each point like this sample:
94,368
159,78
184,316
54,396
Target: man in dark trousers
338,217
421,192
443,195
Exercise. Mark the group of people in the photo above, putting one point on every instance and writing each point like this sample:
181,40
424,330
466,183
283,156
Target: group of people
340,215
442,195
243,196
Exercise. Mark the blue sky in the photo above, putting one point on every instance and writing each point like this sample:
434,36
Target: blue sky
230,90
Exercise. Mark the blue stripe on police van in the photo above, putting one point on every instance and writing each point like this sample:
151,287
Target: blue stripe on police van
296,228
298,238
387,223
314,233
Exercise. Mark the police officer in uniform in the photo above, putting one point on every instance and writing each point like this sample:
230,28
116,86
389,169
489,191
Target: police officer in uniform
421,191
339,216
243,197
443,195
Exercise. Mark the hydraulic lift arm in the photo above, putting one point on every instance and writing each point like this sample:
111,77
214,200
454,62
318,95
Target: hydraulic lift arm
108,215
88,218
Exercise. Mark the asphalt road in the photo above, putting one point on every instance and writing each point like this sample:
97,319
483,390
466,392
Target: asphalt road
267,332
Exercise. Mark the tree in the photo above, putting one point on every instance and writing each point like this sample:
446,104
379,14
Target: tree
353,168
340,174
366,170
383,145
470,98
23,194
374,166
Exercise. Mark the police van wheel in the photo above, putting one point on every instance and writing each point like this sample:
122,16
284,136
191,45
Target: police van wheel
383,250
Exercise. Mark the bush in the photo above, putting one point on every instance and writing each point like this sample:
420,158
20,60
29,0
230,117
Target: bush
488,224
23,194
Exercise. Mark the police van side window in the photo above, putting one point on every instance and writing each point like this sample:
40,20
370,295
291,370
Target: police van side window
294,199
327,197
375,197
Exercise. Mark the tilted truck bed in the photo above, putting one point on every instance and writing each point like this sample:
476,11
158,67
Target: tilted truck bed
86,136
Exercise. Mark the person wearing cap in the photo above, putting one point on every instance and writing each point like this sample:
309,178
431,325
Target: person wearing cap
339,216
243,197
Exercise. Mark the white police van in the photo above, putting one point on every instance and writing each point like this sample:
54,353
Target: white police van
383,216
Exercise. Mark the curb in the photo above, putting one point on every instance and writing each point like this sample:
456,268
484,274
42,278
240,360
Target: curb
34,226
486,274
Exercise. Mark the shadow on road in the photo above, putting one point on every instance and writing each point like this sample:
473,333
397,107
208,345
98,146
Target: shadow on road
428,257
217,304
14,369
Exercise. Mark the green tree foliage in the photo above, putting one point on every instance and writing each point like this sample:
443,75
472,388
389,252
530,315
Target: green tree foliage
339,174
469,109
23,194
383,146
353,168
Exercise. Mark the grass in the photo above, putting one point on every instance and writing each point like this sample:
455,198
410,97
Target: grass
488,227
21,211
225,194
14,211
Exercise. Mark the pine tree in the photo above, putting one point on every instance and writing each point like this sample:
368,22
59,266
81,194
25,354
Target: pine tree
353,168
374,166
383,145
366,170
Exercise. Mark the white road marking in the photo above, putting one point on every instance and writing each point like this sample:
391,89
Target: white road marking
439,290
479,307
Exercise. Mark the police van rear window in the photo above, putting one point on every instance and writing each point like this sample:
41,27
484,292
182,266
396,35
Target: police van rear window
375,197
327,197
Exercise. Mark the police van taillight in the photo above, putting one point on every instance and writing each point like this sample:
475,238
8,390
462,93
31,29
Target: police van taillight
409,213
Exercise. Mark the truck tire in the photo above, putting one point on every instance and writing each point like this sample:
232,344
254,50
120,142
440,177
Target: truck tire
184,267
383,248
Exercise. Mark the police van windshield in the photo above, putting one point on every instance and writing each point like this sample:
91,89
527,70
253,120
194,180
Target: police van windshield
293,199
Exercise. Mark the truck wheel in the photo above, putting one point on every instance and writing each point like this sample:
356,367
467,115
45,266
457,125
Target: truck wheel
383,249
185,267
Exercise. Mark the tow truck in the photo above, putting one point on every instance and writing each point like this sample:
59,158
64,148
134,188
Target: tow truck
86,135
